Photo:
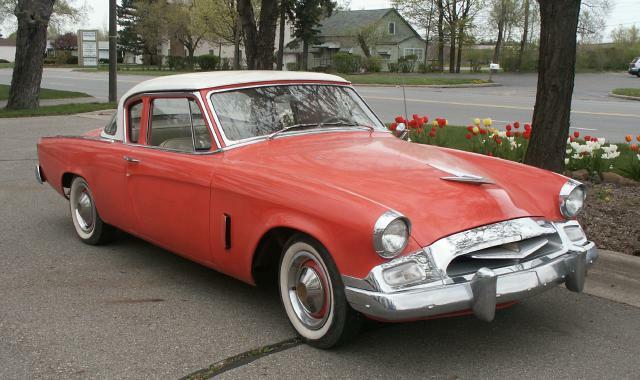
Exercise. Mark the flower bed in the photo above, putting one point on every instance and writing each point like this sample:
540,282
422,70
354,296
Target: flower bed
589,155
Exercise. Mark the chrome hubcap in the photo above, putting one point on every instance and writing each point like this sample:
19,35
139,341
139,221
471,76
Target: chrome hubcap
83,209
308,290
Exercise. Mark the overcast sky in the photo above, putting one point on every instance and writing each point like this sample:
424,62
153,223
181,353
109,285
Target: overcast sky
625,12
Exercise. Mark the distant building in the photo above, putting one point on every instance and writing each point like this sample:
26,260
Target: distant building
394,37
7,49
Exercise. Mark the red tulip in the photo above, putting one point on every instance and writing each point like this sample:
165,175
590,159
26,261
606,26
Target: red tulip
415,116
468,136
432,134
587,138
634,147
571,138
399,119
527,134
516,124
433,129
508,127
490,154
517,133
509,134
498,141
425,118
527,127
470,128
393,126
442,122
483,131
576,134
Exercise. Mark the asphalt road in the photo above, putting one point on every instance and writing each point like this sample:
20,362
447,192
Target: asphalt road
594,112
132,310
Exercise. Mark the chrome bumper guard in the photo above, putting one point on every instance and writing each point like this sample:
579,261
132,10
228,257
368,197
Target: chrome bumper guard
481,293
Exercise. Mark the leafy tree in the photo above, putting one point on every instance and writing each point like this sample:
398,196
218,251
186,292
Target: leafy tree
368,37
556,72
593,16
128,37
259,32
306,15
67,41
151,27
423,13
222,24
187,21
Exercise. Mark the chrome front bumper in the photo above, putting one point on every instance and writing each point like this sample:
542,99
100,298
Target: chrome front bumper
480,292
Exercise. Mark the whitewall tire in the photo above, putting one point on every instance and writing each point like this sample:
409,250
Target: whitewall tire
87,222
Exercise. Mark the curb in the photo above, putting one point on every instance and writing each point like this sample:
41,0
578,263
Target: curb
627,97
470,85
615,276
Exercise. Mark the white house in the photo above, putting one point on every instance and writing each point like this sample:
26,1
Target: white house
7,49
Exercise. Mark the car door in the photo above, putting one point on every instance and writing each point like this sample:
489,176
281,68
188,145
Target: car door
168,176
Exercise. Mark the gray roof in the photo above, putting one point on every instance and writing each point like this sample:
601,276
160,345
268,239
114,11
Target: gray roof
347,23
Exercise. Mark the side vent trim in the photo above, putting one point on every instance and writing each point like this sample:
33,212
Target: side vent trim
227,231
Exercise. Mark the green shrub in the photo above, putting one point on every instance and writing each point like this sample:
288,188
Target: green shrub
347,63
407,63
509,59
393,67
422,68
606,57
372,64
72,60
4,61
176,62
208,62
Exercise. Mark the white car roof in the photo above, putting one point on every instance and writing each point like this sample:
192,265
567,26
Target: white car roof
197,81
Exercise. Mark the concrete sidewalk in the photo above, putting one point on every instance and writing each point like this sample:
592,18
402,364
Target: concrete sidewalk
615,276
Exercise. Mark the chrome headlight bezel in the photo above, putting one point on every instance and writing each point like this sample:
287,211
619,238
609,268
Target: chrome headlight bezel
379,229
570,189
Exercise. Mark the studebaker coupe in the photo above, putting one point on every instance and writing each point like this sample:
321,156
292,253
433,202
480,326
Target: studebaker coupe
290,177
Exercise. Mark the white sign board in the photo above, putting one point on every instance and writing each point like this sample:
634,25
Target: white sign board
88,48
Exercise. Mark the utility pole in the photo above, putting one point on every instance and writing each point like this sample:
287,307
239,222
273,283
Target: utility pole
113,52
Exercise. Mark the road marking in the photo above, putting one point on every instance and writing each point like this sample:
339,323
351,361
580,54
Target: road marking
499,106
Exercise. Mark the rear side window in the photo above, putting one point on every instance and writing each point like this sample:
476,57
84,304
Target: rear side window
178,124
111,126
134,118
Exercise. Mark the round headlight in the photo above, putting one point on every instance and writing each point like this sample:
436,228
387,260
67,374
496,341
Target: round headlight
391,234
572,197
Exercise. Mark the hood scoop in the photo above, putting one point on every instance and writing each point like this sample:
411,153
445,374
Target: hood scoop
458,176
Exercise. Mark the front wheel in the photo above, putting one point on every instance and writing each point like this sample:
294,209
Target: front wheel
313,295
86,220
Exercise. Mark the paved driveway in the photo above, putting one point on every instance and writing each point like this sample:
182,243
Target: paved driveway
594,111
132,310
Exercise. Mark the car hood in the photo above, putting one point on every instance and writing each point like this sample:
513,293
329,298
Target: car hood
407,177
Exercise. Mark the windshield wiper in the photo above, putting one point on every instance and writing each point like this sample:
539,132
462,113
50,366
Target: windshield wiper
291,127
349,124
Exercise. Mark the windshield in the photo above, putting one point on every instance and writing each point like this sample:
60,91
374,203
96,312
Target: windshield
261,111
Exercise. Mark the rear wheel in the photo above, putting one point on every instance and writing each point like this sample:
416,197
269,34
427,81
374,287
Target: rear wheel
313,295
89,226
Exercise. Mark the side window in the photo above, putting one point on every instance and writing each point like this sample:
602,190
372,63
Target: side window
112,125
178,124
134,113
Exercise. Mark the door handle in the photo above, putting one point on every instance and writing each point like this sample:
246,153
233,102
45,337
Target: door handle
131,159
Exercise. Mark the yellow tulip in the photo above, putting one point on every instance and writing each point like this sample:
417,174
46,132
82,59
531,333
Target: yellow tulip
487,122
476,121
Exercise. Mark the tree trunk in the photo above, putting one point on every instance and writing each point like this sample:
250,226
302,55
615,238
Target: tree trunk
236,45
305,55
441,35
31,43
496,51
280,61
250,32
556,72
460,39
267,34
452,49
525,30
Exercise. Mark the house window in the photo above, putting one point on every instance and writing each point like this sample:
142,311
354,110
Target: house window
392,28
418,52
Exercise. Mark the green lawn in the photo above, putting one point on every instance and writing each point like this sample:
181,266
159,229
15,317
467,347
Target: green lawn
409,79
627,91
64,109
135,70
46,93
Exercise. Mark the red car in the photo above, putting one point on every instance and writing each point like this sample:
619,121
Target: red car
290,177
